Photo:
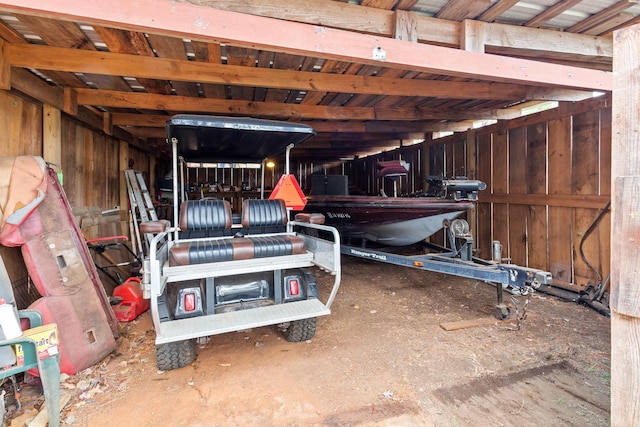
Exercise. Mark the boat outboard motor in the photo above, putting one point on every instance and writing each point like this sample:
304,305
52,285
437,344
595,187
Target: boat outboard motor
460,188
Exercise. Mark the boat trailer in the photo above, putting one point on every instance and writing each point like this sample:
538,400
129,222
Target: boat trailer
458,260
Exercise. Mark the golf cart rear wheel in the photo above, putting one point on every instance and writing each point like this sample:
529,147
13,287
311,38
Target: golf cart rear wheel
301,330
175,355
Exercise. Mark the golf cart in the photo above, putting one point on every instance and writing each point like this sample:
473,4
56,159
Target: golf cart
214,271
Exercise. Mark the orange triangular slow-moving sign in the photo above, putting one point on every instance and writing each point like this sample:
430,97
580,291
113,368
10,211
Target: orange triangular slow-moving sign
289,190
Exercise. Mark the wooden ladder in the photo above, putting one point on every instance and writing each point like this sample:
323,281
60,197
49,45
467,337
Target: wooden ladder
141,207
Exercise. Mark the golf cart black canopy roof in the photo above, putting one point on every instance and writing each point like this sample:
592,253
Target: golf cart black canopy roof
233,139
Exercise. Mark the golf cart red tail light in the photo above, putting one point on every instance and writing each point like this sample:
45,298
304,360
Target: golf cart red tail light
294,287
189,302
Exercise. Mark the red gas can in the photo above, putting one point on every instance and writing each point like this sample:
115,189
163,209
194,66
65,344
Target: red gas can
132,304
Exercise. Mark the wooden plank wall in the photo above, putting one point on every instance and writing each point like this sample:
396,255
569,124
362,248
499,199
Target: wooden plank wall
22,124
548,178
90,165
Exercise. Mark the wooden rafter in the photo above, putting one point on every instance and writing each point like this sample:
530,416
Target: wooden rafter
148,101
205,24
496,10
458,10
551,12
602,16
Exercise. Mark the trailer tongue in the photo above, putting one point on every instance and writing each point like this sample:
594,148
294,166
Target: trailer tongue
459,261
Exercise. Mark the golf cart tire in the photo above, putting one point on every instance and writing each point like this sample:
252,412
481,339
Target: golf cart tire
175,355
301,330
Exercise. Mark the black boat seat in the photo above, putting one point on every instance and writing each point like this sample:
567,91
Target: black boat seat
260,215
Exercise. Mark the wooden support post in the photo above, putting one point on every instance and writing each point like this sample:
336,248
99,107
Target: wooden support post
52,135
70,101
5,66
107,125
625,231
406,26
472,36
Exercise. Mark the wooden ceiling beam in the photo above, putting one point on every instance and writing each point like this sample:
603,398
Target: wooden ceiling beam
430,30
206,24
149,101
535,41
159,121
151,68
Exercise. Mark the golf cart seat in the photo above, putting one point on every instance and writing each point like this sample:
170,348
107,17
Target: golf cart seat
258,217
205,218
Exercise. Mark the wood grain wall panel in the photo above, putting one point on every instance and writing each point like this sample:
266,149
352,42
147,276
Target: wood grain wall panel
459,157
583,274
500,164
560,244
536,159
585,180
449,158
536,168
68,153
518,160
559,157
517,215
500,227
483,233
77,145
586,135
89,167
22,124
537,238
518,240
605,152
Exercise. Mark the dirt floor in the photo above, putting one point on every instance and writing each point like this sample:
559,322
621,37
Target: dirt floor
380,359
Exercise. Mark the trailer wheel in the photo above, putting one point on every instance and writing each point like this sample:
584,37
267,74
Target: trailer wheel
301,330
175,355
503,312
